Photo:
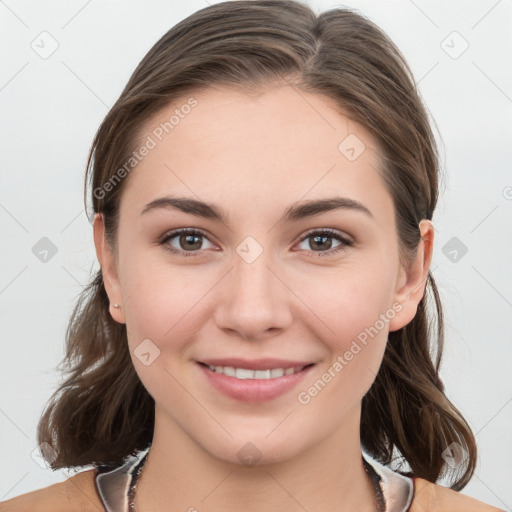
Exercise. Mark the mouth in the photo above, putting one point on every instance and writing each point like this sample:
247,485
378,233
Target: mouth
254,381
247,373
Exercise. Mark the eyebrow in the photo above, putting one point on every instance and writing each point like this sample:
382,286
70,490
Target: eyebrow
292,213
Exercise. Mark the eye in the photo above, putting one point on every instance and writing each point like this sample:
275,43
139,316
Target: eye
320,240
190,244
189,238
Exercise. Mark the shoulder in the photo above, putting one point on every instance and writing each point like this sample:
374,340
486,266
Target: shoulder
429,497
76,494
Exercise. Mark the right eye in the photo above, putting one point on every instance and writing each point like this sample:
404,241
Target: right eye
187,238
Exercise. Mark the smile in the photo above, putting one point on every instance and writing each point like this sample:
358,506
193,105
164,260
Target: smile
254,385
244,373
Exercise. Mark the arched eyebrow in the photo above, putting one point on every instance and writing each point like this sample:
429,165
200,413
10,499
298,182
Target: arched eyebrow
292,213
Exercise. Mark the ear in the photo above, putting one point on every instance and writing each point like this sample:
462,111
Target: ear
107,262
412,282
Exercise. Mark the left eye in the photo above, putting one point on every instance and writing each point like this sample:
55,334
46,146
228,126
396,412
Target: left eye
190,238
320,239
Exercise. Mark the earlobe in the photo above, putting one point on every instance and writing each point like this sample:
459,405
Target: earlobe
107,263
413,283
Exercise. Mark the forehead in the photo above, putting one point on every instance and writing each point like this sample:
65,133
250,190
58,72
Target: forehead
280,145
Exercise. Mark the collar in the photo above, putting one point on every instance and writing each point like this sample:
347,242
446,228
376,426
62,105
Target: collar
397,490
114,483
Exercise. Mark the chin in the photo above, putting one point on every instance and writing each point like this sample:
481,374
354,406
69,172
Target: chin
251,447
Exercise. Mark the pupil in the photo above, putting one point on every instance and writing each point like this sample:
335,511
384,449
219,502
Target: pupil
323,238
190,238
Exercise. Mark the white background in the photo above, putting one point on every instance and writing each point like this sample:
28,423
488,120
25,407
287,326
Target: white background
52,107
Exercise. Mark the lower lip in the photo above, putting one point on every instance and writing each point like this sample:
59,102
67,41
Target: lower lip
253,390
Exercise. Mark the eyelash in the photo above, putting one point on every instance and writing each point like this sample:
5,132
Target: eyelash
330,233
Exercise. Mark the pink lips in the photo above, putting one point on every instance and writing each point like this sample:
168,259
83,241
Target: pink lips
254,390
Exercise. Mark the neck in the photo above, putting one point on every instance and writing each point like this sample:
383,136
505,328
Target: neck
179,475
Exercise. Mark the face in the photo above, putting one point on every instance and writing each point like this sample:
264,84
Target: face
258,289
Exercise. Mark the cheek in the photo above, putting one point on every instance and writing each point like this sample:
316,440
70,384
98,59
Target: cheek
161,307
160,299
349,303
352,313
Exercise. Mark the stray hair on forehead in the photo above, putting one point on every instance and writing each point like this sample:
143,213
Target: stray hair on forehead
102,413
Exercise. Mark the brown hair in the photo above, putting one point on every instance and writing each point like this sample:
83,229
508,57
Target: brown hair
102,413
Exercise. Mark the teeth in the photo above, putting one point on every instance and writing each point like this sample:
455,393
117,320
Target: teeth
262,374
243,373
226,370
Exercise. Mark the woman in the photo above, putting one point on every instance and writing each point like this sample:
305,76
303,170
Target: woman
259,335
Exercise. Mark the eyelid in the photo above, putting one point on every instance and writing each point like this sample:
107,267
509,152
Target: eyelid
173,233
346,241
330,231
177,231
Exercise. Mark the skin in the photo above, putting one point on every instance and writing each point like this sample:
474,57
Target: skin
255,156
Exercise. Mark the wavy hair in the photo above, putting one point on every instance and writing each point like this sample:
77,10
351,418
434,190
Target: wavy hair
102,413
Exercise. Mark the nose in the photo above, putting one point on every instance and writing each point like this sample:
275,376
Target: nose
253,300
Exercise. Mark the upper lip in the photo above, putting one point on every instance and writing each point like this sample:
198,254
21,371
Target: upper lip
256,364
